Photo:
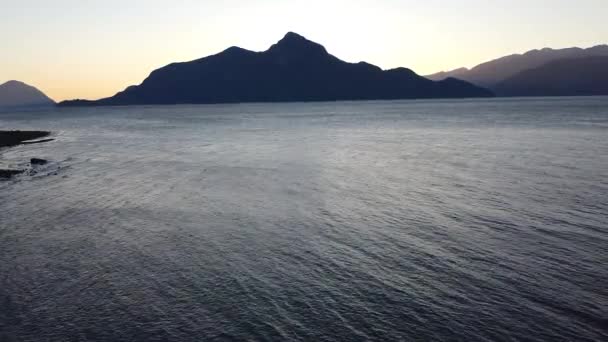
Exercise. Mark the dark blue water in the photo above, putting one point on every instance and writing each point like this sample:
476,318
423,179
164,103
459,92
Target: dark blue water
481,220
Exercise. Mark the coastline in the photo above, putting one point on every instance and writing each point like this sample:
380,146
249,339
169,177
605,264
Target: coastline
14,138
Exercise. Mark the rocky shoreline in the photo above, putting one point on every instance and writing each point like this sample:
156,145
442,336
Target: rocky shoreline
15,138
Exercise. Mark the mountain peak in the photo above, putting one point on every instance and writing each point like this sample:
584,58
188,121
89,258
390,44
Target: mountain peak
598,48
13,83
295,44
292,35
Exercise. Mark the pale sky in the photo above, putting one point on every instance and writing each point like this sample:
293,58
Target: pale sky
92,49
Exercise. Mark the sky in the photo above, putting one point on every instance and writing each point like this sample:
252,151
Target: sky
92,49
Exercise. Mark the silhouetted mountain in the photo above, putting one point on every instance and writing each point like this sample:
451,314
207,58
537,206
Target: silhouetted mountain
493,72
565,77
19,94
442,75
294,69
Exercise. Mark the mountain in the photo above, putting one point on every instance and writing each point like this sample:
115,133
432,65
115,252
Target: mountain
493,72
564,77
294,69
442,75
19,94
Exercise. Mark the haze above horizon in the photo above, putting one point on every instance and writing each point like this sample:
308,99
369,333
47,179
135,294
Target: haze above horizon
71,49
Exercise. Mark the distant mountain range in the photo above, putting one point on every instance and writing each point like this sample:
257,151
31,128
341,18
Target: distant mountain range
503,74
564,77
294,69
19,94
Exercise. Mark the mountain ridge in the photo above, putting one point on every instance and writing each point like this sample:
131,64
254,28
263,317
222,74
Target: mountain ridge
490,73
583,76
293,69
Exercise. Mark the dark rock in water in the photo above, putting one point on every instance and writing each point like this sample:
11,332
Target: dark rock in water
14,138
38,161
294,69
5,174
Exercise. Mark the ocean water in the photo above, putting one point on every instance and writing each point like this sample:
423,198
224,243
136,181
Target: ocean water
459,220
